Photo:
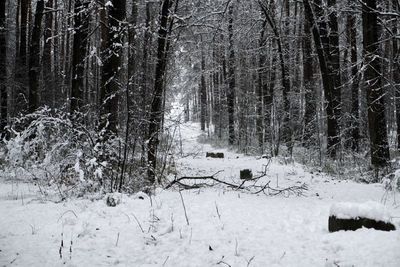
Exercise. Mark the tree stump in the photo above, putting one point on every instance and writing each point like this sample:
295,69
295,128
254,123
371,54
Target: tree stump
217,155
246,174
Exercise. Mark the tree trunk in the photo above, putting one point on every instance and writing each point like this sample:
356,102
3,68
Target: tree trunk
156,112
375,92
334,69
203,93
109,95
322,46
3,70
355,117
48,74
287,131
261,83
396,68
21,71
79,53
34,58
231,80
309,90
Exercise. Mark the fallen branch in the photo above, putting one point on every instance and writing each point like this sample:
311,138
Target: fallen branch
244,185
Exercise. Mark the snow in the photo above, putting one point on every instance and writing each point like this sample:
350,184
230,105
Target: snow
370,209
242,229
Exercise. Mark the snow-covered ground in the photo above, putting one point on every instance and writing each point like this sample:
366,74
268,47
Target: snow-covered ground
224,227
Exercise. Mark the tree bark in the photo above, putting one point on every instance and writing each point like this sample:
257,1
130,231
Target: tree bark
375,92
79,53
355,117
396,67
3,70
156,112
261,83
334,69
321,42
21,71
109,95
231,80
34,58
309,90
48,74
203,93
287,130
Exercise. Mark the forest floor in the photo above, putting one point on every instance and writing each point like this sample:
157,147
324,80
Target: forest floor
224,227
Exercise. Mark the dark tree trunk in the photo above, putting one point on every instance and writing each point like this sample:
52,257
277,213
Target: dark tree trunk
396,68
355,117
109,95
21,70
261,83
287,130
375,92
34,58
144,81
156,112
79,53
17,28
203,93
48,74
231,80
217,89
3,70
309,90
132,56
322,46
334,69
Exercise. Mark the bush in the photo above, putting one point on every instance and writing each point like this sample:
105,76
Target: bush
53,150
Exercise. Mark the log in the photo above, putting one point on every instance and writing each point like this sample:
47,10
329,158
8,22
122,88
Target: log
337,224
246,174
217,155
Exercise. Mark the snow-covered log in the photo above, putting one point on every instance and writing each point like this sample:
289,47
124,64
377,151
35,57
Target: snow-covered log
353,216
217,155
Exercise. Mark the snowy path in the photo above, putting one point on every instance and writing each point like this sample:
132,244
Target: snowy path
247,230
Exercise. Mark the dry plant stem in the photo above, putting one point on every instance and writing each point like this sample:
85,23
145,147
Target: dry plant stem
165,261
216,207
184,208
249,261
66,213
137,221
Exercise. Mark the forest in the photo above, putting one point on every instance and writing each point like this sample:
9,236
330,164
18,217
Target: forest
199,132
317,78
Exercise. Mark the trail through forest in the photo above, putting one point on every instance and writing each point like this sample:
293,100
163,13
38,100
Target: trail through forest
216,226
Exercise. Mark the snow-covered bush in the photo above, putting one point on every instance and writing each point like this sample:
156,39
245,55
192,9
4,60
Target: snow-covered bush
53,150
392,181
